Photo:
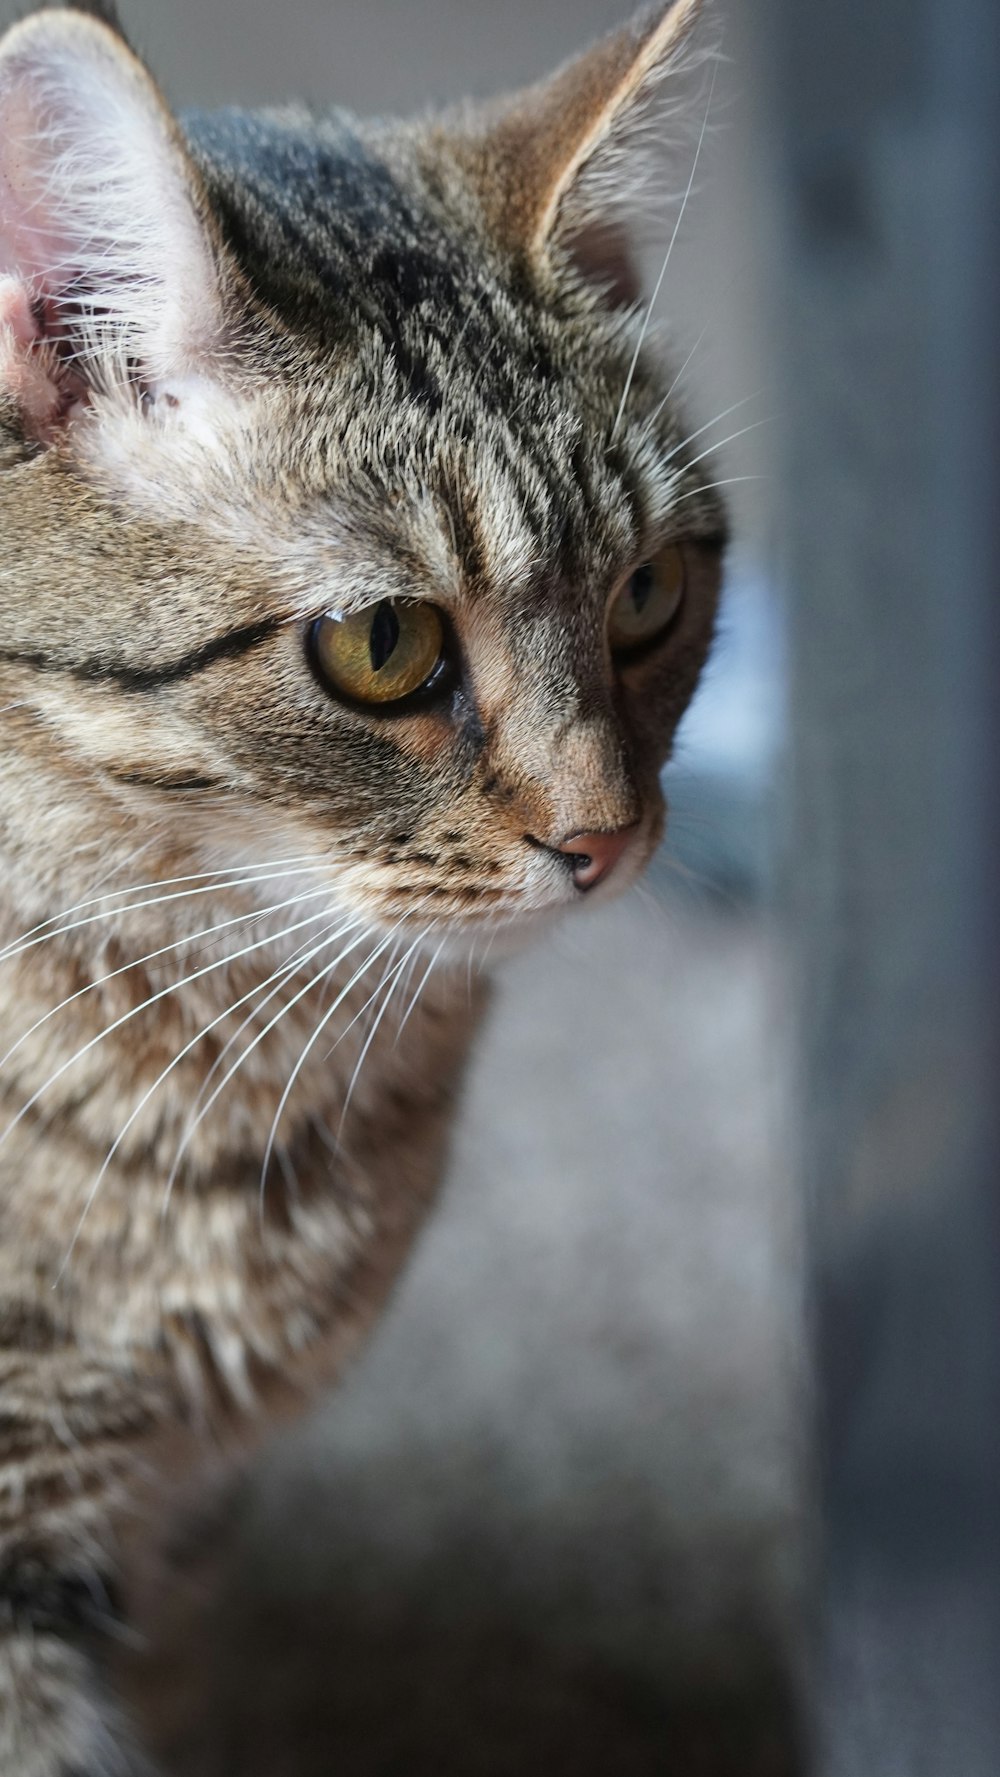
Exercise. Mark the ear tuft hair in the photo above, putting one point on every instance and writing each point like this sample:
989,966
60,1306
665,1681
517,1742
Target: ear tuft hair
559,165
103,220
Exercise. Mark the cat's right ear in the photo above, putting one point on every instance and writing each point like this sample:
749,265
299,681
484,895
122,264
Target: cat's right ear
110,270
560,166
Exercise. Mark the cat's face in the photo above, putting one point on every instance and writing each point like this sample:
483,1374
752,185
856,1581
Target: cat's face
367,541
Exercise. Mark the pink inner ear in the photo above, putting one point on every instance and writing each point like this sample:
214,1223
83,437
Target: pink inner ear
31,247
31,373
16,314
99,207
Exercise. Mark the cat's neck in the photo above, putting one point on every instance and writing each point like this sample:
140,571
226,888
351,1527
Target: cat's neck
180,1058
125,1147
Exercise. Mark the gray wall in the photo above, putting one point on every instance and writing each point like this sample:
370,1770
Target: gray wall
887,146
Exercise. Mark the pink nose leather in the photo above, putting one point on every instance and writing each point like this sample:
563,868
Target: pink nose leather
596,854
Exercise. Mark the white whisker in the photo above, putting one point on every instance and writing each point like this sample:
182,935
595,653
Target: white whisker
706,487
697,433
303,956
721,443
144,1100
386,972
682,372
406,983
678,379
297,960
663,269
425,977
29,940
370,1038
152,1000
313,1040
491,940
152,955
314,980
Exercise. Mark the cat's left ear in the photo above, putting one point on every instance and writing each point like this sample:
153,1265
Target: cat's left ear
109,266
558,165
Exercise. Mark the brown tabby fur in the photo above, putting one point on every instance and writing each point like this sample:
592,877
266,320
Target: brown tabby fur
412,382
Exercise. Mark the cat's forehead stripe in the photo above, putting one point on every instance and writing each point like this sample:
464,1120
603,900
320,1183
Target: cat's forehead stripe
358,257
418,372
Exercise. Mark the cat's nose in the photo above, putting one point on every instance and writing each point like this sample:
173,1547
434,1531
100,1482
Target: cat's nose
594,855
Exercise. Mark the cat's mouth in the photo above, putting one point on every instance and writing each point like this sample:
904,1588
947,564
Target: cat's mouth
433,894
547,882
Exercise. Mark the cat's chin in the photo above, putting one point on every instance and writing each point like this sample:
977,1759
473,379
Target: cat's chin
484,940
479,938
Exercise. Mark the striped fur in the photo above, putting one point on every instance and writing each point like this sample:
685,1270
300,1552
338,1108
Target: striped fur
255,367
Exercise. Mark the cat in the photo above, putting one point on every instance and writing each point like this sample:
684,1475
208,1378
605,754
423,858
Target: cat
355,571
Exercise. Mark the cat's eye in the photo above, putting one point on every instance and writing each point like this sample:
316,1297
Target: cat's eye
382,654
648,602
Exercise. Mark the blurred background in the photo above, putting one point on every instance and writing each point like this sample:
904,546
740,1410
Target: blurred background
575,1509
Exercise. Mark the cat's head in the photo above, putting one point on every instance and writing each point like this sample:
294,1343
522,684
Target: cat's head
343,514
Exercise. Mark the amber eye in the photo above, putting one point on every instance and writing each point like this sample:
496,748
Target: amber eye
648,602
381,654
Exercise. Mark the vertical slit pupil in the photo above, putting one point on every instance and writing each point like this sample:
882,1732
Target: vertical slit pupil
642,586
383,636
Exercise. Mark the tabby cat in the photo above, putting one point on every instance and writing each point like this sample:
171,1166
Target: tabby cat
354,573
